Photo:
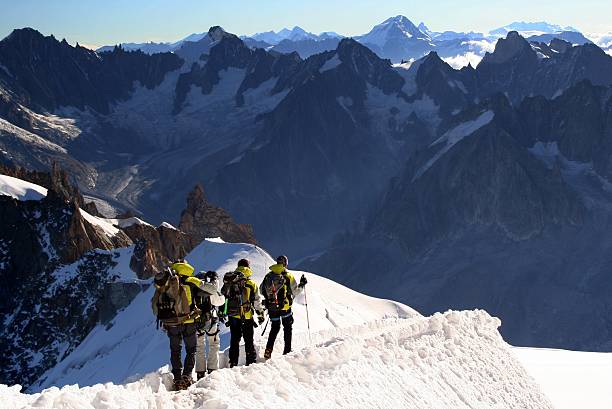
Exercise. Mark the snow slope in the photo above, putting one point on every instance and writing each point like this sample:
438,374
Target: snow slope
132,346
451,360
362,352
572,379
20,189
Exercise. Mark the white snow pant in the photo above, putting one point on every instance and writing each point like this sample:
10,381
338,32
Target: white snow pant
211,361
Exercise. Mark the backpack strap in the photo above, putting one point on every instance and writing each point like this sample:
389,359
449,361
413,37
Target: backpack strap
288,291
251,286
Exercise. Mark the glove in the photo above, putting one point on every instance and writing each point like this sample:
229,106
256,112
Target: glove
303,281
260,317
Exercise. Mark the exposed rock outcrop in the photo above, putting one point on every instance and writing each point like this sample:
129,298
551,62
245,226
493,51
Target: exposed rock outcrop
155,248
202,220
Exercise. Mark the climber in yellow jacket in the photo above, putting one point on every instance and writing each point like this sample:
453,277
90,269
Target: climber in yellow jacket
173,304
242,300
279,289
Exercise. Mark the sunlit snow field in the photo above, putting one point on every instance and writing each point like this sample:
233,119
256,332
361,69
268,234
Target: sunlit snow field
572,380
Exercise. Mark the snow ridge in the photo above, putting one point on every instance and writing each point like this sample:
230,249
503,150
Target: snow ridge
451,360
20,189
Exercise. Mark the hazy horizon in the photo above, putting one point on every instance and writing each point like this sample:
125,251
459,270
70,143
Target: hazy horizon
97,23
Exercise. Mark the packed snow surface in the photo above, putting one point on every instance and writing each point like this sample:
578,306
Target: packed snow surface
20,189
571,379
451,360
133,340
361,352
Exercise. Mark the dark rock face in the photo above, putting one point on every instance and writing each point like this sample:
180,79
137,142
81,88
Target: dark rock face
488,179
52,279
515,68
451,90
307,47
202,220
62,273
48,74
512,216
316,162
231,52
156,248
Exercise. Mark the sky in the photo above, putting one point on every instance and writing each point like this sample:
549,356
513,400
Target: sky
96,22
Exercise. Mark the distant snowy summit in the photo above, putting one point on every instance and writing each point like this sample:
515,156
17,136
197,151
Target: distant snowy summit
528,29
396,38
295,34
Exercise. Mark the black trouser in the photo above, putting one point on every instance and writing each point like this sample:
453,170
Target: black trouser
241,329
276,317
178,334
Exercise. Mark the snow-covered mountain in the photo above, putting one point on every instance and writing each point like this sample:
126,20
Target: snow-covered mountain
397,38
294,34
152,47
528,29
306,150
71,262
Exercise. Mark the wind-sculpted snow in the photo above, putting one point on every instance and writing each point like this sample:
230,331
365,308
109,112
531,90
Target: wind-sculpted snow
451,360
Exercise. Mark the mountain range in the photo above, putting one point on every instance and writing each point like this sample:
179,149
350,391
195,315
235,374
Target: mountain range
485,186
397,38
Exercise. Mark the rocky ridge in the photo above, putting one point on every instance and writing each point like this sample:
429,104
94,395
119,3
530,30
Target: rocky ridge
66,270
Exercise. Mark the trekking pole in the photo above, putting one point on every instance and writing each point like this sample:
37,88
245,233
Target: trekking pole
307,316
265,327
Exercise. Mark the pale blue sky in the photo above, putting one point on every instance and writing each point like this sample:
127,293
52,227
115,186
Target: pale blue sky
98,22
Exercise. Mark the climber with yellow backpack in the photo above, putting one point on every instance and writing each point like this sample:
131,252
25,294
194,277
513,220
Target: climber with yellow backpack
241,302
173,305
279,289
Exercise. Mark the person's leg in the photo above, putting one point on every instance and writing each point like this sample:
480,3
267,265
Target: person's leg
174,334
200,365
235,335
274,329
190,338
249,346
213,348
287,332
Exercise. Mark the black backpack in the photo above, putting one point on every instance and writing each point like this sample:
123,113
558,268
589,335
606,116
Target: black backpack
237,302
276,289
202,302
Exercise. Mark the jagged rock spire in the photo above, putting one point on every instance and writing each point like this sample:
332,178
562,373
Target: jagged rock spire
202,220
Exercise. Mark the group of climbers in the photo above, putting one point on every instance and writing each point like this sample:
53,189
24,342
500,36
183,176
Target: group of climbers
189,308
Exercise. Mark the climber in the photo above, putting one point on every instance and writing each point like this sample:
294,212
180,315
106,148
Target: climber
173,305
207,324
241,301
279,288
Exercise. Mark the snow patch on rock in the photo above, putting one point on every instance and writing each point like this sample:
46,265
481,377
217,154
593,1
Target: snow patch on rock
20,189
453,137
104,224
331,63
